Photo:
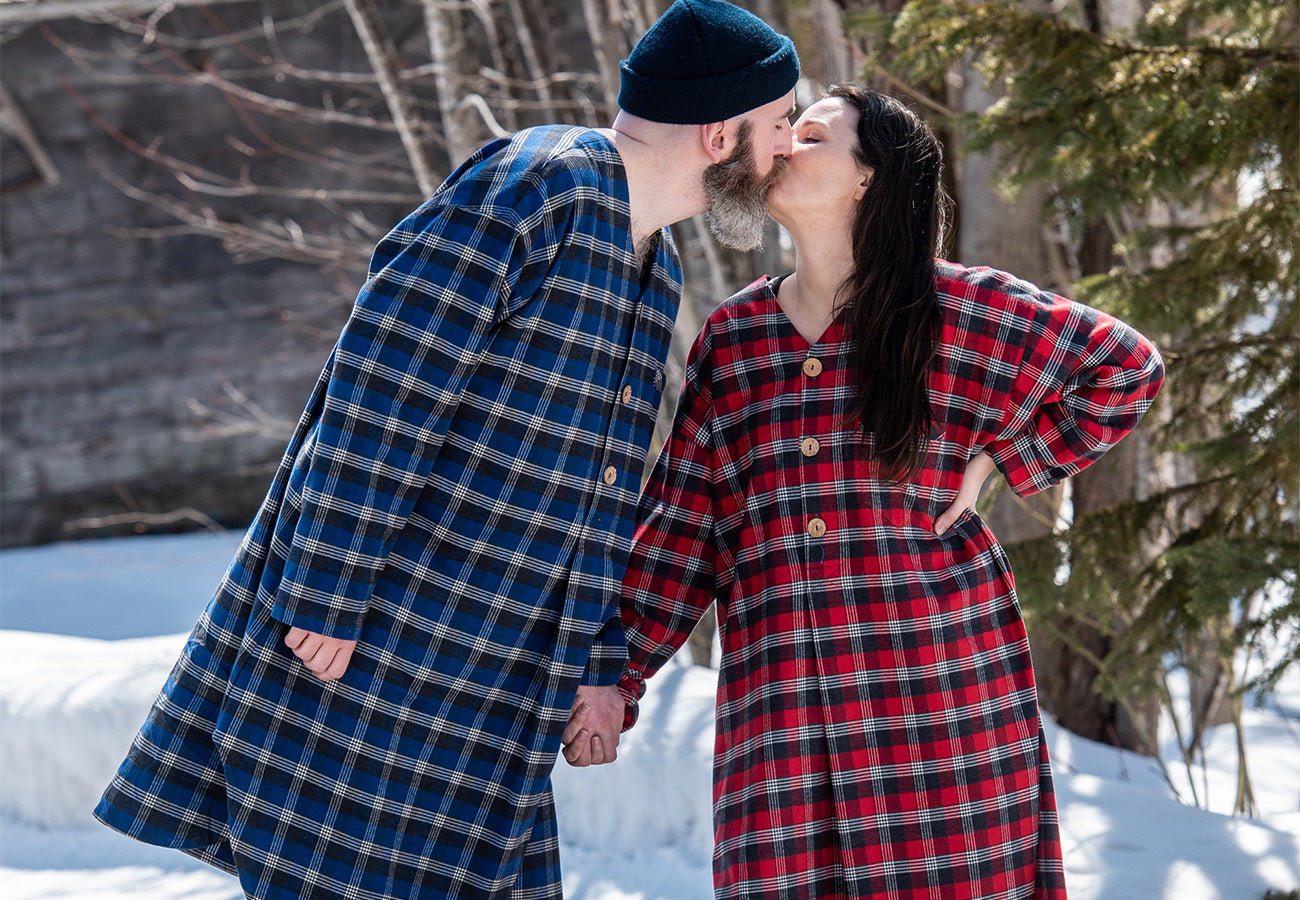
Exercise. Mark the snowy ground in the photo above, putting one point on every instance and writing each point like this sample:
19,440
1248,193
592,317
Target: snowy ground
91,629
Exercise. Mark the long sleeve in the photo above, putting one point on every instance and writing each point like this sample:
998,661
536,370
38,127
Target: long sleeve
669,583
608,657
437,287
1083,380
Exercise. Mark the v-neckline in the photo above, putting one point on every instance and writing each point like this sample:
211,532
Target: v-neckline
774,289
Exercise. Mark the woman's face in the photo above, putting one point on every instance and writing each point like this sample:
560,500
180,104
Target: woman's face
823,181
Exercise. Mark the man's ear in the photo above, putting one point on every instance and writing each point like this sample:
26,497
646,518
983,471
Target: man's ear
713,138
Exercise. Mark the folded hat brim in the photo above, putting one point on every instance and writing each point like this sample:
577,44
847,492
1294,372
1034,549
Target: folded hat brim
697,100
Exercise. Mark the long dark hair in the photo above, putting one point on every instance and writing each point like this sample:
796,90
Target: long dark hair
891,311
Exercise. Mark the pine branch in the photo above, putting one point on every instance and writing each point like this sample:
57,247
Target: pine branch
1226,51
1228,345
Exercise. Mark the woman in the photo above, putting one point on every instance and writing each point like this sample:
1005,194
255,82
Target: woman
878,732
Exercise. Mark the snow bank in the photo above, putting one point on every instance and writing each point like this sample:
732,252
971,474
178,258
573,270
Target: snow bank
70,707
1124,835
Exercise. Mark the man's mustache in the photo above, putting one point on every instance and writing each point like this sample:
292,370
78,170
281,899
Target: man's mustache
779,166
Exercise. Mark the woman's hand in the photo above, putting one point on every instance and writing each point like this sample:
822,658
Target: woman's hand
326,657
972,482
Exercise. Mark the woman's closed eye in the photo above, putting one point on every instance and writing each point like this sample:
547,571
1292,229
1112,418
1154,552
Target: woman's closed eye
810,133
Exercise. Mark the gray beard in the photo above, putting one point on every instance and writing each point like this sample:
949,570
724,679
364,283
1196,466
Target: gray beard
737,196
737,222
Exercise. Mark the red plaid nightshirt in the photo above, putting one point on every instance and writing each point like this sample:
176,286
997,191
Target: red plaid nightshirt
878,731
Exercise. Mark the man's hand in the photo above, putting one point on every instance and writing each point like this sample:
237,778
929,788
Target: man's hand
595,722
972,481
326,657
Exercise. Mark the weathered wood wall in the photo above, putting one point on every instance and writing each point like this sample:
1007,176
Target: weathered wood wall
111,345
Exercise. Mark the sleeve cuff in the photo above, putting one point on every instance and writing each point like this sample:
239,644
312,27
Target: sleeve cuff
344,630
632,687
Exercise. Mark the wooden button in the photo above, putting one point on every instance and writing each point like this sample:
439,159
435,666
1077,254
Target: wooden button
812,367
611,475
810,446
817,527
627,393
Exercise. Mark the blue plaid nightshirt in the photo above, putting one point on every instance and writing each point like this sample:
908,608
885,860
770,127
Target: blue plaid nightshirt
459,496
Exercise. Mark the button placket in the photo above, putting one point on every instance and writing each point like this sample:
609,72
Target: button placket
815,526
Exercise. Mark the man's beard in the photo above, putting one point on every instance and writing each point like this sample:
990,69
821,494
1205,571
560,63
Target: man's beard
737,195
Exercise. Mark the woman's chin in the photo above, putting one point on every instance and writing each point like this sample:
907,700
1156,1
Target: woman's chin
776,207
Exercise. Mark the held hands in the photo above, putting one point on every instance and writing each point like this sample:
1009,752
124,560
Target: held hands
595,722
977,470
326,657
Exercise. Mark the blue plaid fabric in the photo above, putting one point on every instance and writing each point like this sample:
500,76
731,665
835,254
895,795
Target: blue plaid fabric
459,497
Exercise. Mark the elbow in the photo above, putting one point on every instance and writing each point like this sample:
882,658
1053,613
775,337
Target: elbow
1155,369
1153,378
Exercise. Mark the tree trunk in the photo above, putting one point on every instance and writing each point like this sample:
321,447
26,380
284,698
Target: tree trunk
532,62
1011,236
1131,722
604,47
701,640
448,52
826,53
383,61
1007,235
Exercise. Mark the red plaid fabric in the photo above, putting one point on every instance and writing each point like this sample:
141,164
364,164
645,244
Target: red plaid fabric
878,733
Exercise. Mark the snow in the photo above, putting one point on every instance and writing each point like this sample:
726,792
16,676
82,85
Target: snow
91,629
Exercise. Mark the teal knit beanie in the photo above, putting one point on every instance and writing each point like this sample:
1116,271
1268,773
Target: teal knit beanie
705,61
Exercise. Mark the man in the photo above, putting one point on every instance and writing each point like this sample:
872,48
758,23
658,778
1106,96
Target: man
372,703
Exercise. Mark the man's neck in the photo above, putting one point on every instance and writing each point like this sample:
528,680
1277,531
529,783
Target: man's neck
661,189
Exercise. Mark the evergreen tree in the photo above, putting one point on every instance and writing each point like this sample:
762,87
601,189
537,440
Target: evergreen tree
1180,140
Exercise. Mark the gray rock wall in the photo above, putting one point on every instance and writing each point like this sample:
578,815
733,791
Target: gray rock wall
120,356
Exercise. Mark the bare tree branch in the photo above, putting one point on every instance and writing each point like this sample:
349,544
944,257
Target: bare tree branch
479,105
254,419
144,522
13,122
273,105
259,239
31,11
383,59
